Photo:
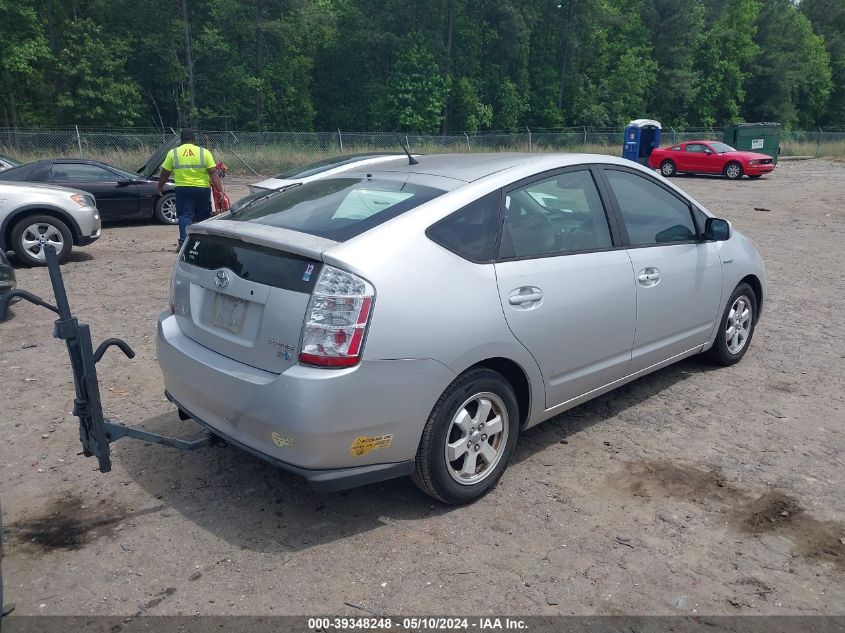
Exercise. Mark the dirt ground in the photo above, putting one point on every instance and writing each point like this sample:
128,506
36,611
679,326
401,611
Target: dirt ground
693,490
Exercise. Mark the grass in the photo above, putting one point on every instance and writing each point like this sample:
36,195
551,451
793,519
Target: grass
275,158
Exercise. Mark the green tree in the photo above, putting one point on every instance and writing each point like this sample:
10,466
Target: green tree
790,79
469,114
723,62
676,32
416,89
828,20
23,49
90,75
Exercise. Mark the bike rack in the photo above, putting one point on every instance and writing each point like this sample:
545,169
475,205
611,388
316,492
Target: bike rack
95,431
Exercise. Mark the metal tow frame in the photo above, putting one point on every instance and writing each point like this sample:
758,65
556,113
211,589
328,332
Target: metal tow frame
95,431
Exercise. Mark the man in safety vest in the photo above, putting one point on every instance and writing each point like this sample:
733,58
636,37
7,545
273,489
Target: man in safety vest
191,166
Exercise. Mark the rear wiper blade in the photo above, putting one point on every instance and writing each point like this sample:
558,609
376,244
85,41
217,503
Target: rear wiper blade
264,196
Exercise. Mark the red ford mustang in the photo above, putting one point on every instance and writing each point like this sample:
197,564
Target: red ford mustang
709,157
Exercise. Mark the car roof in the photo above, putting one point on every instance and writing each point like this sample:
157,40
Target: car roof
471,167
86,161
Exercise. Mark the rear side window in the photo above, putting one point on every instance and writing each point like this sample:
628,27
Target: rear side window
337,208
470,232
652,215
555,216
17,173
81,173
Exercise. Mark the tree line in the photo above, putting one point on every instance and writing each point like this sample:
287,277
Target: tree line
421,66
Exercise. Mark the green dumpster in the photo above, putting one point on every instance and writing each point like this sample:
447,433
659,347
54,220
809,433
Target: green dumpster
755,137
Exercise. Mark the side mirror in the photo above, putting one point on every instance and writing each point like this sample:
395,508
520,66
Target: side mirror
717,230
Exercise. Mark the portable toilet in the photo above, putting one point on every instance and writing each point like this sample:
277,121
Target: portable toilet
763,138
642,136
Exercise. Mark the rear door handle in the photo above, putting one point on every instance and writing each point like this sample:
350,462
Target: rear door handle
649,276
524,295
516,300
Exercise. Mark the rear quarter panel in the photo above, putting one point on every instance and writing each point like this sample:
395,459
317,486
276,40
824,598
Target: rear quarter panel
431,303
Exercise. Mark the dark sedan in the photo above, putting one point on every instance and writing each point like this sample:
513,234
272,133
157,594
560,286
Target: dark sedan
120,195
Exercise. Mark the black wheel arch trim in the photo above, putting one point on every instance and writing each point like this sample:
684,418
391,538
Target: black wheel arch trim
33,209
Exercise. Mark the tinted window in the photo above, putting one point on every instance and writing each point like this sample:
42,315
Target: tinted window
17,173
557,215
80,172
696,147
470,232
676,148
652,215
256,263
337,208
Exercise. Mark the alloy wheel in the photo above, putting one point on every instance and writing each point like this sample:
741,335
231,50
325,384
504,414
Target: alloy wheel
738,326
36,236
476,439
168,209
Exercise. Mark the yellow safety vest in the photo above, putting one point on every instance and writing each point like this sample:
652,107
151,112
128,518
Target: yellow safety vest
189,164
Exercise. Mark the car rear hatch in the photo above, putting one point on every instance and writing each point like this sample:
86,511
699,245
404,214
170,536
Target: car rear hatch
151,167
244,294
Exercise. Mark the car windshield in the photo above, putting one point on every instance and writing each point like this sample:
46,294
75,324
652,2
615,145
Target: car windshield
303,171
9,161
337,208
721,148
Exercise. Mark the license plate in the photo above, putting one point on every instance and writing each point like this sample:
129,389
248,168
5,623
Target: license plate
228,313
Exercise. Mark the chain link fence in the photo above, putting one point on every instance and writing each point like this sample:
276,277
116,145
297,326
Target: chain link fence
272,152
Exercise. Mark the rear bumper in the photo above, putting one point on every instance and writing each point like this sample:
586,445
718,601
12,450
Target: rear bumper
328,480
308,420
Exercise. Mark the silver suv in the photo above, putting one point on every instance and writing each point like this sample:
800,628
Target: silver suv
414,319
32,216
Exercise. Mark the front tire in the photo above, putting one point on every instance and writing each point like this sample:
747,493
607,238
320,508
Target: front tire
165,209
736,327
31,234
733,171
469,438
668,169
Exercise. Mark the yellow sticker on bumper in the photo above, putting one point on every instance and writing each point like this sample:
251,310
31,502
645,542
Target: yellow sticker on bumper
363,445
281,441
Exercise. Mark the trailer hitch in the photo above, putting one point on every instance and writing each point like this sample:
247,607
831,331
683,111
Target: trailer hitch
95,431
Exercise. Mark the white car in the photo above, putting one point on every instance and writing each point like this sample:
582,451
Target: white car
312,171
34,215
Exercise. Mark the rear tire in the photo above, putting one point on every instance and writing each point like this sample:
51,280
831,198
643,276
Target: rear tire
476,424
755,177
668,169
735,327
165,209
32,233
733,171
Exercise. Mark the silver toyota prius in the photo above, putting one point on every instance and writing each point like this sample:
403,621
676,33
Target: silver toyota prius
413,319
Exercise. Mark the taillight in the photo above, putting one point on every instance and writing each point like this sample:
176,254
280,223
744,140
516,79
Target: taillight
336,320
180,294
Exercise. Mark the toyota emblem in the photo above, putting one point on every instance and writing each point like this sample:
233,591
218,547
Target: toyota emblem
221,279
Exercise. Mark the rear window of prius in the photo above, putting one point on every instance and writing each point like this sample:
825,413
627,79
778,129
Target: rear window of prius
337,208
